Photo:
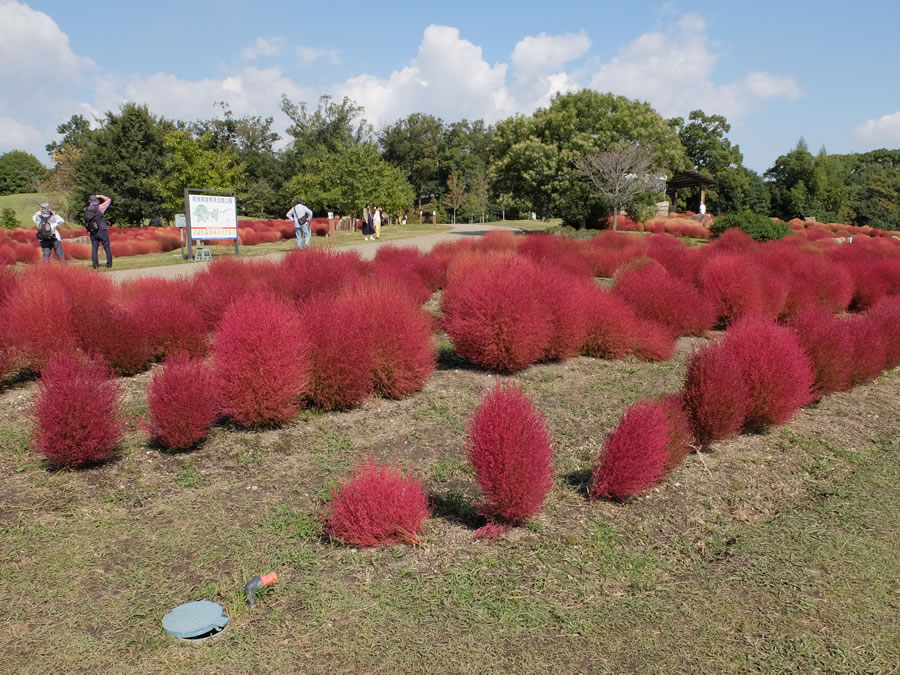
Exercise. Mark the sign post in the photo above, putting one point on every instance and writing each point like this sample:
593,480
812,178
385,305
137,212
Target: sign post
209,215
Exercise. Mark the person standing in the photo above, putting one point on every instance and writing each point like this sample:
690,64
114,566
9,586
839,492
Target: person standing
97,227
48,232
301,215
368,223
376,218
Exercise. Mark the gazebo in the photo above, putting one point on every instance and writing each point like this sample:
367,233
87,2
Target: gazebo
686,179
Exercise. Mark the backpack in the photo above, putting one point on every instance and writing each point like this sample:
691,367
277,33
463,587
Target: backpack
45,230
90,222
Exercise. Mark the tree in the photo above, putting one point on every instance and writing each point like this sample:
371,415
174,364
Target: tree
76,133
8,219
620,175
187,165
414,146
480,194
331,127
874,181
124,159
456,193
533,158
20,172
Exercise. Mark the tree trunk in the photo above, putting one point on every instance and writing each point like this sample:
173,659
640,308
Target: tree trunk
615,218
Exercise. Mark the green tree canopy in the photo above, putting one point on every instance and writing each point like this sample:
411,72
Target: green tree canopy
188,165
414,145
20,172
124,159
533,158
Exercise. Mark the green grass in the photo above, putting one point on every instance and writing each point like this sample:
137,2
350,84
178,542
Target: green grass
25,206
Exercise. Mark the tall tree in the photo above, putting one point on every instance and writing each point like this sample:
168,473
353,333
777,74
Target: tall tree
534,157
75,133
456,193
20,172
124,159
414,145
188,165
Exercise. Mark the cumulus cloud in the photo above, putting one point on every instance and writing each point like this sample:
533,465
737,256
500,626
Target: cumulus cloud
309,55
548,53
17,136
885,129
448,77
672,70
262,47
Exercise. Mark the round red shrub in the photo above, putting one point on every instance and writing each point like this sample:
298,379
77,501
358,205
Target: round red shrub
827,341
410,259
109,330
563,298
652,341
656,296
38,314
715,395
182,402
886,313
869,352
165,316
341,358
733,283
399,337
635,453
610,326
320,272
76,412
378,505
261,351
778,372
495,316
681,437
511,452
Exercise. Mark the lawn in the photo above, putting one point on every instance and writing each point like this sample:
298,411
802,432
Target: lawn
24,205
773,552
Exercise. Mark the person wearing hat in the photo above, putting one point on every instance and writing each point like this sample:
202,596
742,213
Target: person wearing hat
47,223
97,227
301,215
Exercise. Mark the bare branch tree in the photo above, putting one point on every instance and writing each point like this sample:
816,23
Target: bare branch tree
619,175
456,192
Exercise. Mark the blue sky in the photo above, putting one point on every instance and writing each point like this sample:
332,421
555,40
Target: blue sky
827,71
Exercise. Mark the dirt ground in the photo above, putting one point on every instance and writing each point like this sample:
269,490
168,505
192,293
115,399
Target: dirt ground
774,551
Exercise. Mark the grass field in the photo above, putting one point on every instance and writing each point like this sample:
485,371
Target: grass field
773,552
24,205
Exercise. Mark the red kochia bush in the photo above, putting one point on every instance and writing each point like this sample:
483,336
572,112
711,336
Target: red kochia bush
510,449
830,346
261,353
778,373
398,335
680,439
377,505
609,326
108,329
886,313
715,394
76,413
733,283
494,314
869,353
340,357
655,295
182,402
634,455
38,313
169,322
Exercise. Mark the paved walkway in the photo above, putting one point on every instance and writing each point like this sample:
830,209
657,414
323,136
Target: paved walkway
366,249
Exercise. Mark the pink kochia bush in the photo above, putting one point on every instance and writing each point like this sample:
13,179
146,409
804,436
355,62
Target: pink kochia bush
494,313
829,345
377,505
261,353
511,451
715,395
778,372
635,454
76,413
182,402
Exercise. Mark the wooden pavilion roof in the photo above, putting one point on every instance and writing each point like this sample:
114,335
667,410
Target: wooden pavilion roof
684,179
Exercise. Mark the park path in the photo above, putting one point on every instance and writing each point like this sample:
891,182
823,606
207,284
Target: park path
366,249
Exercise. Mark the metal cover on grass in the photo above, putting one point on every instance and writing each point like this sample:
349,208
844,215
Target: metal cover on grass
195,620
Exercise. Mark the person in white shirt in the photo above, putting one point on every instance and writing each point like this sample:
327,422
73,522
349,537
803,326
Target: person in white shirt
377,218
48,223
301,215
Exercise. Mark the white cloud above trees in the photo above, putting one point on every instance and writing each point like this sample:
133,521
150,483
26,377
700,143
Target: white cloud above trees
884,130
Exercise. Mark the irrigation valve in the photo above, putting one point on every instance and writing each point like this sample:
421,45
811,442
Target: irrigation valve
256,584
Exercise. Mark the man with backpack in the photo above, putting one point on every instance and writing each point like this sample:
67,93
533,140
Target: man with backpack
97,227
47,232
301,215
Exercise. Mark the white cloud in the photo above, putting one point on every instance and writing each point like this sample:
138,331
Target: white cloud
17,136
32,46
672,70
448,77
548,53
309,55
262,47
886,129
765,85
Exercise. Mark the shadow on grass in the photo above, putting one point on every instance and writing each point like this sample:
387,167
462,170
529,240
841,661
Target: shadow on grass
456,507
448,359
580,480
